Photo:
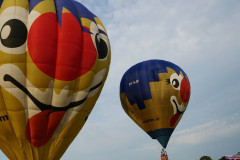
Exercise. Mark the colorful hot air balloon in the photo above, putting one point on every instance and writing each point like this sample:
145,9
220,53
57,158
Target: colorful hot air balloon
54,60
155,94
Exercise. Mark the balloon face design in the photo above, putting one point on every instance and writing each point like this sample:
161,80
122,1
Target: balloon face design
179,88
55,57
155,94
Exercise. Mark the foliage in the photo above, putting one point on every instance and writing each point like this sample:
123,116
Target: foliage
205,158
223,158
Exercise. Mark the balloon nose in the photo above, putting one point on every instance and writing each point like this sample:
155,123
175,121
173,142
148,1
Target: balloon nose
185,90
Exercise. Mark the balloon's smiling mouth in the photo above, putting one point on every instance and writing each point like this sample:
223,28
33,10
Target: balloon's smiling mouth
178,110
43,106
41,127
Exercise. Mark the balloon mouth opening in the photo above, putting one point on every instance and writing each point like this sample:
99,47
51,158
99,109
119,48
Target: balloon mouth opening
178,110
162,135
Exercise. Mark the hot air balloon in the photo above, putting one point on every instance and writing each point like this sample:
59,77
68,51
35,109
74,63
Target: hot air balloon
54,60
155,94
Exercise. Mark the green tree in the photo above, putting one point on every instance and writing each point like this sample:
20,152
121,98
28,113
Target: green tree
205,158
223,158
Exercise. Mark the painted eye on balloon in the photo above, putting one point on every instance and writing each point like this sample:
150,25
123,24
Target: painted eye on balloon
102,47
13,33
100,40
13,30
175,81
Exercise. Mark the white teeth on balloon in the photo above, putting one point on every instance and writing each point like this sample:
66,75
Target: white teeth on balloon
44,97
176,106
62,99
98,78
91,91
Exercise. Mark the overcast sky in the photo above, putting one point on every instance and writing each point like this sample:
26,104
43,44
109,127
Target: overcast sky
203,38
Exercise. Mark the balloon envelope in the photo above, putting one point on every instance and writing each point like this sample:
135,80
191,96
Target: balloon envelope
155,94
54,60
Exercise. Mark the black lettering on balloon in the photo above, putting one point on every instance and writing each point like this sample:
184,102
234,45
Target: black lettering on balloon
3,118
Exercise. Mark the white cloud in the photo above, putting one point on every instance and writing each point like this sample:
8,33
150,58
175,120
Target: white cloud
207,133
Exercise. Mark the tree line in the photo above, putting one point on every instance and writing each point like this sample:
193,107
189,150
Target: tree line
209,158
